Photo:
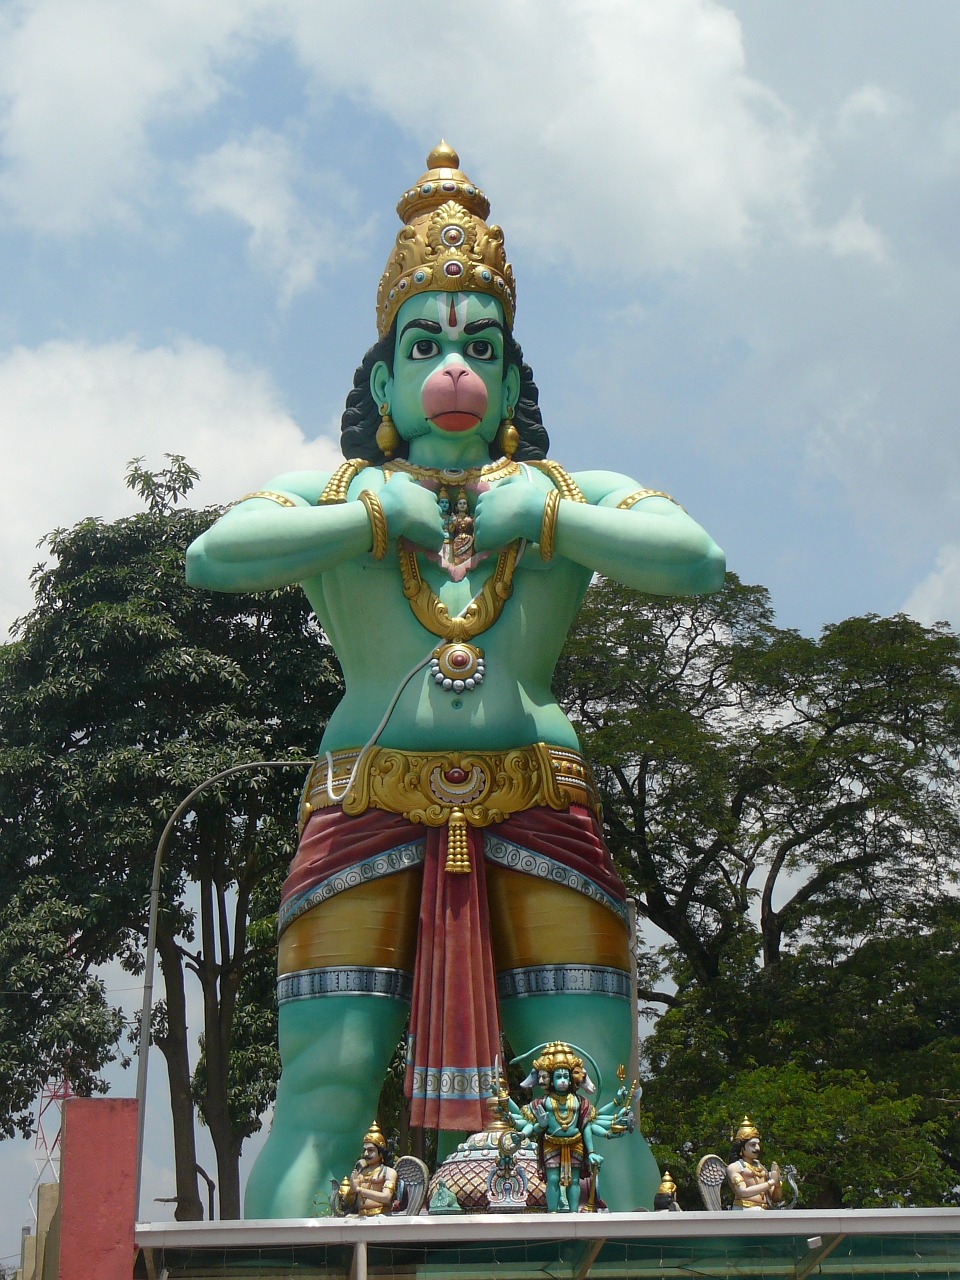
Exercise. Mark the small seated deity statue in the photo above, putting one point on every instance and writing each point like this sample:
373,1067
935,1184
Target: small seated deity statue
565,1125
754,1187
371,1187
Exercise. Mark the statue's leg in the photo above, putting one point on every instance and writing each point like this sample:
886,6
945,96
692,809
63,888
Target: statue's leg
573,1192
573,954
334,1045
553,1190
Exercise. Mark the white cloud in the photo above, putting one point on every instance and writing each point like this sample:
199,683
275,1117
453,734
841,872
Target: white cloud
254,180
614,136
83,83
627,136
75,414
870,102
937,598
853,236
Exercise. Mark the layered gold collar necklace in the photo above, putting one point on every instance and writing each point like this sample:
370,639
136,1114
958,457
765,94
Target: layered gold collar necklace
456,665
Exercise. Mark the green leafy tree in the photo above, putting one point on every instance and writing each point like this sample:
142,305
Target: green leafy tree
855,1143
122,691
786,811
55,1020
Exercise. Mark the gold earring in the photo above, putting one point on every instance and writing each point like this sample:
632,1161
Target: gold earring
508,437
388,437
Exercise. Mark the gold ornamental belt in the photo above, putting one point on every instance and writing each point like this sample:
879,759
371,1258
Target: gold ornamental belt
568,1146
452,789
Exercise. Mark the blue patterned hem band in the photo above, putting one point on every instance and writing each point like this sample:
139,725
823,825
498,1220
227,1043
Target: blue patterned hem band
375,868
567,979
460,1083
352,981
516,858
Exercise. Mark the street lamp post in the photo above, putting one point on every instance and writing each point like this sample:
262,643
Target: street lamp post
146,1013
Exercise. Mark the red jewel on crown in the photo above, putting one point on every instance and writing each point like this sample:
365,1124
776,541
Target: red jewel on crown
456,775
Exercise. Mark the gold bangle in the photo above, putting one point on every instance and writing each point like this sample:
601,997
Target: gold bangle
378,523
548,526
632,499
279,498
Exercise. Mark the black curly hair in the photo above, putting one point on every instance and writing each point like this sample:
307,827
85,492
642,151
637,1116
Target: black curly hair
361,415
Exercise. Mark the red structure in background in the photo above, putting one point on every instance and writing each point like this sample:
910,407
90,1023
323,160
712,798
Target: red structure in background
54,1095
98,1168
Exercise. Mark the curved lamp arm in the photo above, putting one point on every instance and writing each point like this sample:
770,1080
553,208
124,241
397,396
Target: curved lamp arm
146,1013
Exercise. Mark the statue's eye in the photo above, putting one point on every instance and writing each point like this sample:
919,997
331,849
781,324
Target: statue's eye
480,349
425,349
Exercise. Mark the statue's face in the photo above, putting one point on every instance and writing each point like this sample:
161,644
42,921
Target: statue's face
448,373
371,1155
561,1080
751,1148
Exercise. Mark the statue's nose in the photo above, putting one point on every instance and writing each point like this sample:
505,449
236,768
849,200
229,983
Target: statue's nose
455,372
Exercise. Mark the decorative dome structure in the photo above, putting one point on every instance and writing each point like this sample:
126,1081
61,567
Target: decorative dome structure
474,1173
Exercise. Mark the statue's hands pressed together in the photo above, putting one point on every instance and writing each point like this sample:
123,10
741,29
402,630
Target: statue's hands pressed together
514,509
411,512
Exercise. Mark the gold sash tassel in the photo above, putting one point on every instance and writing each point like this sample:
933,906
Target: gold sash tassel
458,848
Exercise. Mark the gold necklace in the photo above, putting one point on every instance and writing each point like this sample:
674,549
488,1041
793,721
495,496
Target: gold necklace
454,475
565,1115
456,665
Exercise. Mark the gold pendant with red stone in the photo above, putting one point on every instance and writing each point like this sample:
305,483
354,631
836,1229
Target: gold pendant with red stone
457,667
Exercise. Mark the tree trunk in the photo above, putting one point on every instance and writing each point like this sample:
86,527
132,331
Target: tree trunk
219,978
175,1051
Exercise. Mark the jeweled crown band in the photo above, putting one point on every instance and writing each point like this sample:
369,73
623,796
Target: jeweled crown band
431,787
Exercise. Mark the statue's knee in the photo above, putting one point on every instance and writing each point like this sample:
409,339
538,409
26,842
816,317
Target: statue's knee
334,1040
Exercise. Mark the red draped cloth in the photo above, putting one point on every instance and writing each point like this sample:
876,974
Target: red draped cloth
454,1018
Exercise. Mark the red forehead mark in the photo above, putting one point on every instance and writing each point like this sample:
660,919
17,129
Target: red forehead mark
452,321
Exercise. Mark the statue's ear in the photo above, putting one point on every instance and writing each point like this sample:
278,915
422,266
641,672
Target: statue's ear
381,383
511,389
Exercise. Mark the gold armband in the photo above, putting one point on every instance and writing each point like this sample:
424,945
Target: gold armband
633,498
560,479
279,498
548,525
378,523
341,480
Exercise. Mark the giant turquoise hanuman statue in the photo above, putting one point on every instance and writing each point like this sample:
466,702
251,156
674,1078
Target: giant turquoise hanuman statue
451,866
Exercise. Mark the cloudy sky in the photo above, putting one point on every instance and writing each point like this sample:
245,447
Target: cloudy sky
734,228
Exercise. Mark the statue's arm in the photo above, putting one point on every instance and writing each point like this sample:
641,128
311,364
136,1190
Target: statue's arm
279,535
276,536
587,1130
747,1191
651,544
